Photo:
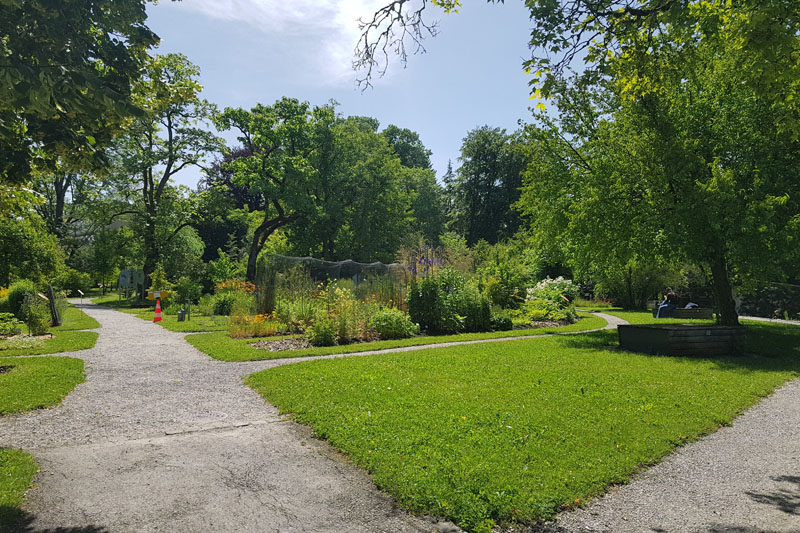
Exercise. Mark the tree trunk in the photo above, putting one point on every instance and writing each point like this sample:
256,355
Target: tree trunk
150,250
723,293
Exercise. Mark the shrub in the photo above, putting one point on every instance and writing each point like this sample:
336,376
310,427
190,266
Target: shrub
392,324
226,303
205,305
73,281
36,314
323,331
235,285
553,289
188,289
16,295
433,302
475,308
246,326
9,325
502,322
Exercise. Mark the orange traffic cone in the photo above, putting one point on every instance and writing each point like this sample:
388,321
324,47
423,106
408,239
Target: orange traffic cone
157,317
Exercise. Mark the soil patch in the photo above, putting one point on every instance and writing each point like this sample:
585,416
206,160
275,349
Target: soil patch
282,345
6,368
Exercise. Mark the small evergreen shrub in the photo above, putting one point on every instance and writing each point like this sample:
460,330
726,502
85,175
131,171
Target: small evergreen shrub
392,323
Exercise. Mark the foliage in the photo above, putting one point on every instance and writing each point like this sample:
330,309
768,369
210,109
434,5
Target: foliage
72,281
391,323
234,285
225,303
501,322
9,325
219,345
16,295
408,147
446,303
36,315
188,289
224,268
486,186
37,382
552,299
157,145
494,451
476,309
27,250
632,285
506,269
66,78
323,331
246,326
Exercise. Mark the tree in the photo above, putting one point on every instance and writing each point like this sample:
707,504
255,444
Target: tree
278,137
66,73
408,147
487,186
158,145
27,250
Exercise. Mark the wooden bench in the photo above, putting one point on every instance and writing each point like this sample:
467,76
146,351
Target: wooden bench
697,312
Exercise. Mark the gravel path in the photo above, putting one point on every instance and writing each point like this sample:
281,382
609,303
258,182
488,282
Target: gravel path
161,438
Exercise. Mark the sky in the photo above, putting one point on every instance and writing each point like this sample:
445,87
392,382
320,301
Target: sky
257,51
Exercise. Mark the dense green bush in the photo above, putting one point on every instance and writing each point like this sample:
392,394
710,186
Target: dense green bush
323,331
502,322
551,299
16,295
72,281
391,323
9,325
225,303
188,289
446,303
36,314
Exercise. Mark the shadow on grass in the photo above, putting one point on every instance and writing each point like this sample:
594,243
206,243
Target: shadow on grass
14,520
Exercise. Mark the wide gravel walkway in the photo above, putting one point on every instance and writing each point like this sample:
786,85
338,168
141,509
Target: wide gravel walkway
162,438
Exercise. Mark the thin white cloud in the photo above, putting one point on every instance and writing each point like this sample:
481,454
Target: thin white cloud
321,34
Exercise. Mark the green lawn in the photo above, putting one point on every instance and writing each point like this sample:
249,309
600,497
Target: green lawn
516,431
198,322
74,319
220,346
646,317
32,383
17,469
62,341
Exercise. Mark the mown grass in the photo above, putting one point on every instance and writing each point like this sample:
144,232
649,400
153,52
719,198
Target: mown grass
73,319
62,341
514,432
646,317
37,382
220,346
197,324
17,469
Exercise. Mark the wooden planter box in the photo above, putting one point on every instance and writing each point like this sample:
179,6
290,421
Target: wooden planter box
680,339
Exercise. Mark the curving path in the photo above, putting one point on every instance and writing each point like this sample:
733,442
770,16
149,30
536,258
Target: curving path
162,438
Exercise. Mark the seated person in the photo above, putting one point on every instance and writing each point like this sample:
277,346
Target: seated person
669,303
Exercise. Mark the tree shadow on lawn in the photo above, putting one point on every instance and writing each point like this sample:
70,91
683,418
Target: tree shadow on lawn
15,520
766,347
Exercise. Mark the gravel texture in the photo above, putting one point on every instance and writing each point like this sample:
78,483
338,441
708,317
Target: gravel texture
162,438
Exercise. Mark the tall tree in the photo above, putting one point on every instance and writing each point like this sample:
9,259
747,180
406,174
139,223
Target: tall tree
169,137
487,186
408,147
278,137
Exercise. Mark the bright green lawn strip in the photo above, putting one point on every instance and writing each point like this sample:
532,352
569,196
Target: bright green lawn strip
74,319
220,346
37,382
62,341
517,431
17,469
198,323
646,317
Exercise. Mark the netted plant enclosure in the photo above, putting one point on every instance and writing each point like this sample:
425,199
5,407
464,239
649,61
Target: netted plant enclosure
285,280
